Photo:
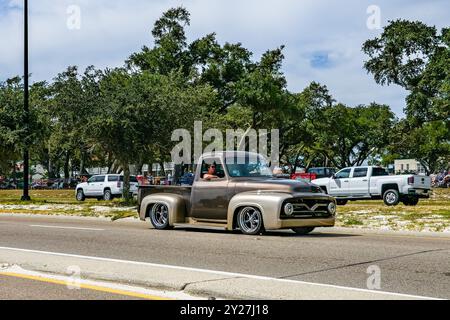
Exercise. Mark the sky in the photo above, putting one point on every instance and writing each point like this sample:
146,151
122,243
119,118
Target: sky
322,39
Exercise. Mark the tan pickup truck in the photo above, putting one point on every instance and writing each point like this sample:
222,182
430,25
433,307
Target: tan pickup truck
236,190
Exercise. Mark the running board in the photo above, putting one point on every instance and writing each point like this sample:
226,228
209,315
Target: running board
206,226
353,198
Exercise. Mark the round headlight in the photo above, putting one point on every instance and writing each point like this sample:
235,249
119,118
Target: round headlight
288,209
332,208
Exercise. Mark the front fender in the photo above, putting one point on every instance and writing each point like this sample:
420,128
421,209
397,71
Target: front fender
174,202
269,203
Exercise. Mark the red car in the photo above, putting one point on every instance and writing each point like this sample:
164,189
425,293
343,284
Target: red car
308,177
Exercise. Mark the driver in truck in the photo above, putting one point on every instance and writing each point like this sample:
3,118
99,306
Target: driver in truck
211,172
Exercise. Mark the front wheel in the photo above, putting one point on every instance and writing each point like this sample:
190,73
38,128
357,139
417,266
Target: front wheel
303,230
250,221
391,197
80,195
159,216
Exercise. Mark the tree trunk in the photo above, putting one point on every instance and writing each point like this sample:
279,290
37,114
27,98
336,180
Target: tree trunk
66,167
14,174
126,181
163,172
295,166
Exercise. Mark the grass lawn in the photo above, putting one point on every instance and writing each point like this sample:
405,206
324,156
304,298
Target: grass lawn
429,215
63,202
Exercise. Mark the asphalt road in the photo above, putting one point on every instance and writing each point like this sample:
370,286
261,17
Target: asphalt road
13,288
416,265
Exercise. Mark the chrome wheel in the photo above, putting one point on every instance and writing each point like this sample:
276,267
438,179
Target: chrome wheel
250,220
80,195
107,196
391,197
160,216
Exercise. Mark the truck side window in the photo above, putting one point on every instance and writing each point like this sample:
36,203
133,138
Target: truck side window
218,169
360,172
378,172
99,179
343,174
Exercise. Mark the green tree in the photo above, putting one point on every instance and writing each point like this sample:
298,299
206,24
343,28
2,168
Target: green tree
414,56
74,99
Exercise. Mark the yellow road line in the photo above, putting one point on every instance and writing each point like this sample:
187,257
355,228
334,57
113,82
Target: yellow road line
85,286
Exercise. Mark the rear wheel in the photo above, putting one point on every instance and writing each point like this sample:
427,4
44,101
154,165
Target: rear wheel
80,195
159,216
391,197
107,195
341,202
303,230
249,221
410,201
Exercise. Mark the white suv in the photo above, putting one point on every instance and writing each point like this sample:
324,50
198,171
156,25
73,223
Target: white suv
104,187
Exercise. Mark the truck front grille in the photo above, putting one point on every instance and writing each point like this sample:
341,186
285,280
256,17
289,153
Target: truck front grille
307,209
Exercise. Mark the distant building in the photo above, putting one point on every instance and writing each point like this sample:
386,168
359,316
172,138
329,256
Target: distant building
408,165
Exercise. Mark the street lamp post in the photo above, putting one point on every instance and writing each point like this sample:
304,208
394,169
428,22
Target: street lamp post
26,109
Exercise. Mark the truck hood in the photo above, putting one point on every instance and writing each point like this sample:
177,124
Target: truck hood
274,184
321,181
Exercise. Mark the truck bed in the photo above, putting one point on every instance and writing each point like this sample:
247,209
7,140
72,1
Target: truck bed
184,191
148,190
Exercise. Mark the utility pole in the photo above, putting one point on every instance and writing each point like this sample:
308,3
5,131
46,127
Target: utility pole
26,109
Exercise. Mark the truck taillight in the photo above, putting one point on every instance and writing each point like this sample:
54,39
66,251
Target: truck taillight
119,184
411,180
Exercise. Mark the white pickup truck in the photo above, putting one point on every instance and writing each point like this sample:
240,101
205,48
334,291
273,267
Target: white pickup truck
360,183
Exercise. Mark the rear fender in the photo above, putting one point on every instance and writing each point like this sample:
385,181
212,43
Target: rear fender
175,203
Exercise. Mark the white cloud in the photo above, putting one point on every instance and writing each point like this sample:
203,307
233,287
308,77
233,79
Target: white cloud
111,30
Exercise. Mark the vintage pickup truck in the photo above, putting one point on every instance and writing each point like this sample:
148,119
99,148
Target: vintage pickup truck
236,190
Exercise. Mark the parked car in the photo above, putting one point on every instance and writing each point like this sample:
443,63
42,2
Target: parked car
360,183
39,185
244,195
186,179
322,172
104,187
308,177
314,173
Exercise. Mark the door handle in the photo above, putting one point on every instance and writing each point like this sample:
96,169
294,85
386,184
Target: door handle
365,180
345,180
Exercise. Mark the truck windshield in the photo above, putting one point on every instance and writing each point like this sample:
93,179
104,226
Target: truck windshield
248,167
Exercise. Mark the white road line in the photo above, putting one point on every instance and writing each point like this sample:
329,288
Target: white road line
60,227
224,273
72,282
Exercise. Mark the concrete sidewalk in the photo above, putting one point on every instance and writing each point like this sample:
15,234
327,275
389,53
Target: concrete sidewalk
189,281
